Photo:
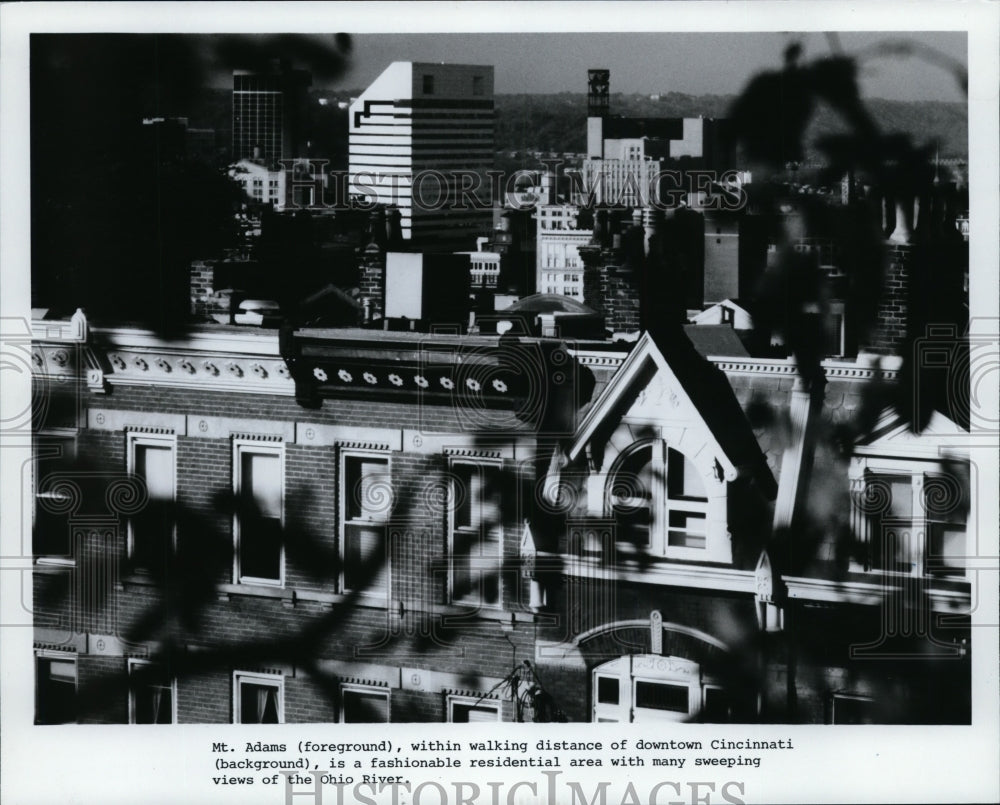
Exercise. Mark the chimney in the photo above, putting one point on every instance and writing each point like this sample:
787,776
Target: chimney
371,264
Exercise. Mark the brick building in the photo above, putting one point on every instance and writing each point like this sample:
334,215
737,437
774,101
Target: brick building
346,525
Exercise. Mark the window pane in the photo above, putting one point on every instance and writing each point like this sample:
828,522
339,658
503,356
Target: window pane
631,495
895,545
258,703
52,536
365,560
476,496
362,707
260,548
475,548
946,551
260,521
261,482
155,465
152,695
683,480
633,526
56,690
52,533
152,530
367,493
659,696
716,709
466,513
634,481
469,714
686,529
153,705
607,690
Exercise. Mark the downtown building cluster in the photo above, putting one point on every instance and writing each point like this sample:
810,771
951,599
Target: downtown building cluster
459,497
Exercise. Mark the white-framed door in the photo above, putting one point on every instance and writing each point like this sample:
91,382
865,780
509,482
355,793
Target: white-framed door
646,687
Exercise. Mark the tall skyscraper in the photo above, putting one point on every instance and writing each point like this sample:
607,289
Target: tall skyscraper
268,112
420,136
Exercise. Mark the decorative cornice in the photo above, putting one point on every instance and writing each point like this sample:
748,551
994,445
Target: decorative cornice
358,445
474,452
260,373
601,359
151,430
470,693
834,370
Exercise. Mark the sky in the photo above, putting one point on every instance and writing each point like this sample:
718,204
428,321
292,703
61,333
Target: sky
647,63
692,63
911,65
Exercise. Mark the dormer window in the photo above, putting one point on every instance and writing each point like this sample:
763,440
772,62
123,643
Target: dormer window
658,502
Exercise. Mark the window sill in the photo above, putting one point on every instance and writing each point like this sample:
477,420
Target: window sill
707,573
45,564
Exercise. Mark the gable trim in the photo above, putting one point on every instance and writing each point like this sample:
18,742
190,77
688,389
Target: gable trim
643,352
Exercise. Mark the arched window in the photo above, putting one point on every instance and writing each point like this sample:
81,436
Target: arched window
658,501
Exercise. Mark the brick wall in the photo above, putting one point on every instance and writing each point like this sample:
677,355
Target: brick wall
889,332
246,630
202,283
372,279
610,290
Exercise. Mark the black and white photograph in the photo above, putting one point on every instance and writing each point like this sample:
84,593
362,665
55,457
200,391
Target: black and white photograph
626,386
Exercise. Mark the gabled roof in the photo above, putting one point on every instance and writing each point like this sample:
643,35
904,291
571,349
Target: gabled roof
710,314
705,387
892,435
716,340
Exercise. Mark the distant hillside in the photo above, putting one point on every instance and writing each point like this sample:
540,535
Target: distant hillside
558,122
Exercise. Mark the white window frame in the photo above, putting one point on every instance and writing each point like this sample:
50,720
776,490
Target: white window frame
44,655
919,523
275,680
243,447
661,505
345,458
470,600
135,663
155,440
347,688
68,436
471,702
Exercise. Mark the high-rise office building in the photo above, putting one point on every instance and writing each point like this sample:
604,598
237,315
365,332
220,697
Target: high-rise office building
421,138
268,112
